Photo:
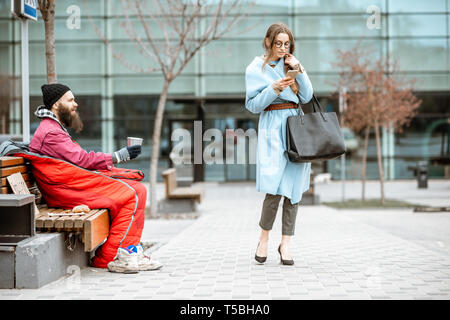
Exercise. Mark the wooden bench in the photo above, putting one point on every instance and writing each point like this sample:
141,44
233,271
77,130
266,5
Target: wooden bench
93,226
175,192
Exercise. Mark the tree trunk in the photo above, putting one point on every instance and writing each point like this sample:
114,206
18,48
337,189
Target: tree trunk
48,14
156,142
364,162
380,164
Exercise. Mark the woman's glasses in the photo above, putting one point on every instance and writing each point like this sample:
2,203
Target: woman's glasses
278,44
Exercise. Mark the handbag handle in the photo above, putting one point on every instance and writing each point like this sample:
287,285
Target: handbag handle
314,99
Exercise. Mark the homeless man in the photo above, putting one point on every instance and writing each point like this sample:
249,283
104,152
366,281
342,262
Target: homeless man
90,178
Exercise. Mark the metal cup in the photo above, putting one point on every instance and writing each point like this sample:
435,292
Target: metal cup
132,141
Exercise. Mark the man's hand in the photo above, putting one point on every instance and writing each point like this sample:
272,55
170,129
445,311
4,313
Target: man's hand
134,151
126,153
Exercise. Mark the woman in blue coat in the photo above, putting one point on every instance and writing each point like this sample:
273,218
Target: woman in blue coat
275,97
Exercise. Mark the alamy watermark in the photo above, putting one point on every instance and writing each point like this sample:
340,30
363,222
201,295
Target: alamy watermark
74,19
73,280
234,146
374,20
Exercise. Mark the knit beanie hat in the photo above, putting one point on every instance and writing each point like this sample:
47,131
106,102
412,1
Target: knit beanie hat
52,92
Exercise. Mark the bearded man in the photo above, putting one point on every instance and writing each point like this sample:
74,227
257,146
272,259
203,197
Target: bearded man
122,251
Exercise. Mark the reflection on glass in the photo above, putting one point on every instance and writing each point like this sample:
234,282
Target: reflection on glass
417,25
415,54
336,6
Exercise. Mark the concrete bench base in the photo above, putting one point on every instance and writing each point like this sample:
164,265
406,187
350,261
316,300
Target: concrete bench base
39,260
177,205
184,181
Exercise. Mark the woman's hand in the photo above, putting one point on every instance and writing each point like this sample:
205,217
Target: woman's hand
281,84
290,60
285,82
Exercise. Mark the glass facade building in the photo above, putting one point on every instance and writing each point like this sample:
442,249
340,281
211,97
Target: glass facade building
116,102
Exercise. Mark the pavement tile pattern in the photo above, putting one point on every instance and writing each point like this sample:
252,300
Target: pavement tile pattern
336,257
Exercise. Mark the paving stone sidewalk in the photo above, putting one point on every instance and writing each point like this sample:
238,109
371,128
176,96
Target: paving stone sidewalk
336,257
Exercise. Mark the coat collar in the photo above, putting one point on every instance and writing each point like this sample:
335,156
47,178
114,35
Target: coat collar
41,112
275,73
278,69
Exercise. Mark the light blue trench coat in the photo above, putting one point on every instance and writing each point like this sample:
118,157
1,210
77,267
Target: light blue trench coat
275,174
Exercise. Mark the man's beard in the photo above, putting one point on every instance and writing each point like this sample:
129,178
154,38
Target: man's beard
70,119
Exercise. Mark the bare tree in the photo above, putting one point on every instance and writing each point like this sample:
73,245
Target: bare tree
180,28
375,98
47,8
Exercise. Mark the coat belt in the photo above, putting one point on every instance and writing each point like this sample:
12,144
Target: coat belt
281,106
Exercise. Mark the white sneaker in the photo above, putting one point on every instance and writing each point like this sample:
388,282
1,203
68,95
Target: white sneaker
126,261
145,263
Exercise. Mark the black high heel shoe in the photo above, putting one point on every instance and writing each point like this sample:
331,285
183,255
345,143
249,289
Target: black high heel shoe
285,262
258,258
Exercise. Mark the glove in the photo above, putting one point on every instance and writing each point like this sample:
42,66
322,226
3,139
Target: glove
126,153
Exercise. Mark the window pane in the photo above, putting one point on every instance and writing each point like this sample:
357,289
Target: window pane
222,85
71,58
414,54
427,82
269,7
335,6
234,56
125,29
5,9
335,26
5,64
6,27
417,25
317,55
254,27
63,32
152,84
223,109
416,6
93,8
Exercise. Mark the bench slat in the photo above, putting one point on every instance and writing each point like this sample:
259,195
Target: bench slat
78,223
69,222
42,217
96,229
25,176
50,221
7,189
7,171
61,221
11,161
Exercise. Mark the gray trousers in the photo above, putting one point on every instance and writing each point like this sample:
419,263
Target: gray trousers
269,212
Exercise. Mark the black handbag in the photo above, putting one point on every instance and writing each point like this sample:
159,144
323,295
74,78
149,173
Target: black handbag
314,136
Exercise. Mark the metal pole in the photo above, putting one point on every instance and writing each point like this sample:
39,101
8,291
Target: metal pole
342,107
343,176
391,152
25,84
